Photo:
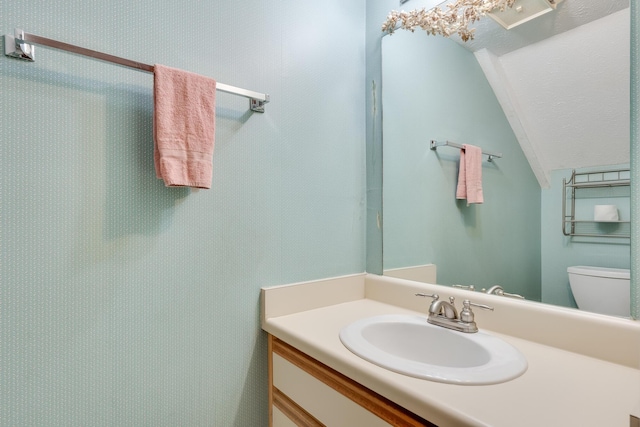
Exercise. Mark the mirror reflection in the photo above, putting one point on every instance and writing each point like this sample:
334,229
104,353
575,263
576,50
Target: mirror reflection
551,96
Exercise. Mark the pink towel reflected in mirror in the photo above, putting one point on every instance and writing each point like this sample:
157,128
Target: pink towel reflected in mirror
470,175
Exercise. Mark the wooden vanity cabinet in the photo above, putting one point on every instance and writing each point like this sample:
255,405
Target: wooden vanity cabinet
306,393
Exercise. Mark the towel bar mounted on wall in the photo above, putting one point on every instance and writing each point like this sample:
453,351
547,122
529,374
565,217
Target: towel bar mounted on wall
20,46
436,144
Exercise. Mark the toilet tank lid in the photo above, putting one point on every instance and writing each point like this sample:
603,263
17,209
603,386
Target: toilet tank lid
616,273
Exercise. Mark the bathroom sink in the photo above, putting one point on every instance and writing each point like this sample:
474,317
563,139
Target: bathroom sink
409,345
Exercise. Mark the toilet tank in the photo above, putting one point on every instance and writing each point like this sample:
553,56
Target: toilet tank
600,289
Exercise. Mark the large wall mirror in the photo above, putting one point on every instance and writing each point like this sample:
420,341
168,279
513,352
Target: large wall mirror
551,96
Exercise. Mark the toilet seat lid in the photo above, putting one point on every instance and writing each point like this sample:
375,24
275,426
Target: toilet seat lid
614,273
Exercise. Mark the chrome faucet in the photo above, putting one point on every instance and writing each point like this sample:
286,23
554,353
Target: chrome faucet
497,290
444,313
443,308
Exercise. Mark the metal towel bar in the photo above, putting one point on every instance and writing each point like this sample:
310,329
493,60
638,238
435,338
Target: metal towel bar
436,144
20,46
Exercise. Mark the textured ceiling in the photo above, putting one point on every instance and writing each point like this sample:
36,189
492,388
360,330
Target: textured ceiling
563,82
569,14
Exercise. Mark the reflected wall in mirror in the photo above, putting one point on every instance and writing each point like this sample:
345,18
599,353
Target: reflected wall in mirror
558,104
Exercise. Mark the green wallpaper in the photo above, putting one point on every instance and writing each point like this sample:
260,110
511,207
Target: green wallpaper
635,160
125,303
433,88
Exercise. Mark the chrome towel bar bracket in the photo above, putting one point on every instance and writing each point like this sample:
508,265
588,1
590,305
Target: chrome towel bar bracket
16,47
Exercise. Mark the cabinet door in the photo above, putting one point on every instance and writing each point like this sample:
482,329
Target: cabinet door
311,394
325,404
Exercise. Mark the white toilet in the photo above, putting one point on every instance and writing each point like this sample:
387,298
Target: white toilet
601,290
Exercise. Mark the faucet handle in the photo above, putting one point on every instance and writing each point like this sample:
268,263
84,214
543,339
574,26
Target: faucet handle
497,290
466,315
508,294
435,297
466,303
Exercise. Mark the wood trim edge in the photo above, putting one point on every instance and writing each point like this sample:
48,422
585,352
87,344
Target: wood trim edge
270,376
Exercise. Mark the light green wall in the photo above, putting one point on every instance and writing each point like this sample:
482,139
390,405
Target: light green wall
560,252
376,14
433,88
635,160
125,303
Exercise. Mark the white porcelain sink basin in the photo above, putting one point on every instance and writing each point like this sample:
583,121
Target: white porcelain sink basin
409,345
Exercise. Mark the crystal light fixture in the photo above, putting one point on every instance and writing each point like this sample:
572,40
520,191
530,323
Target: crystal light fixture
457,16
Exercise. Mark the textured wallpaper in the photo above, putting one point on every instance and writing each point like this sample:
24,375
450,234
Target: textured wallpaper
125,303
635,160
423,221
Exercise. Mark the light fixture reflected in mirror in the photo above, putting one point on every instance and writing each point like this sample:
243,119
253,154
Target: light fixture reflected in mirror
523,11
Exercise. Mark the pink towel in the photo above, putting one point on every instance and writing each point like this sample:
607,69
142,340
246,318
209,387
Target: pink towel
470,175
183,127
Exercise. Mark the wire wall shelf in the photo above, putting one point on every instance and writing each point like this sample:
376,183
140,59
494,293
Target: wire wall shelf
591,188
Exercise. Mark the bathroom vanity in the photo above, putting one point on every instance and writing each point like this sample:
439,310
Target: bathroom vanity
583,368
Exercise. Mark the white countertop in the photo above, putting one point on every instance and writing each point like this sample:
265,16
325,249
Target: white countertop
559,388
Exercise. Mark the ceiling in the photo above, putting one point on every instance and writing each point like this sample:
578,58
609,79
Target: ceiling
568,15
563,82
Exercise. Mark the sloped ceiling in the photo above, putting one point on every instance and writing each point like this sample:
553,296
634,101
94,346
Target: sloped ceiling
563,82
